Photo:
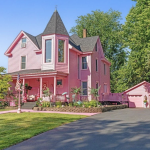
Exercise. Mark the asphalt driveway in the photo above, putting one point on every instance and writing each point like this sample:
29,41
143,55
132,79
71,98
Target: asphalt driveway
126,129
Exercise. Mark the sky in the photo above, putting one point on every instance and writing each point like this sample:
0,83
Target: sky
32,16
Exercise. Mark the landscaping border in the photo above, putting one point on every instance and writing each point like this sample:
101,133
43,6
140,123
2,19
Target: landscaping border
81,109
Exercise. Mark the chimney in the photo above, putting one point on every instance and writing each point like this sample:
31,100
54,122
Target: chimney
84,33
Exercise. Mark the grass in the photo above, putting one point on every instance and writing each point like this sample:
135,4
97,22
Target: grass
15,128
5,109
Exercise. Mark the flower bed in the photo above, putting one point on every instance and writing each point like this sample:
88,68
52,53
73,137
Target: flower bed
81,109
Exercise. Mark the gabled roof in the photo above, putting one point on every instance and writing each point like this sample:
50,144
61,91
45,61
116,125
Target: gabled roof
55,25
32,38
85,44
134,87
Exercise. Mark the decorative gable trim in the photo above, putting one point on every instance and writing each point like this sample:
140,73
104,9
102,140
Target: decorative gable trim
136,86
17,39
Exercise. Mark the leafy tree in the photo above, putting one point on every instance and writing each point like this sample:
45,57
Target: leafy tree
76,91
4,82
136,32
94,92
107,26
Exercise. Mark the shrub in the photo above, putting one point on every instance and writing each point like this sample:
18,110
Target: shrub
86,104
58,103
45,104
93,103
70,104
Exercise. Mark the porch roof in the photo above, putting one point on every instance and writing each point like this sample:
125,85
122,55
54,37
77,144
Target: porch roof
37,73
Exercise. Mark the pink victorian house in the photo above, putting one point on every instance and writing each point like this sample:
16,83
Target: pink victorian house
58,61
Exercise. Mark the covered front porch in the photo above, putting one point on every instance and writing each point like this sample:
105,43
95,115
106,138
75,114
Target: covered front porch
57,82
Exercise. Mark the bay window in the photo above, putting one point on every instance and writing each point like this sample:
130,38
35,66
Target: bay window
48,51
61,51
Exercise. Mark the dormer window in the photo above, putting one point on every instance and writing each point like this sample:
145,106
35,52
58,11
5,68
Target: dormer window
48,51
61,51
23,43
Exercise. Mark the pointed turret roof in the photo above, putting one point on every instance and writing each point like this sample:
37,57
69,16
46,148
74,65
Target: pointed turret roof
55,25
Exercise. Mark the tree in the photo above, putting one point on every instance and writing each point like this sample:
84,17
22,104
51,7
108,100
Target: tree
76,91
94,92
136,32
4,82
107,26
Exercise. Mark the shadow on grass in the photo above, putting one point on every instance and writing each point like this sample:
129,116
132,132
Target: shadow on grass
119,130
15,128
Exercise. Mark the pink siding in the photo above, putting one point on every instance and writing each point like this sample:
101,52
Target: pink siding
99,75
61,66
73,71
136,95
33,59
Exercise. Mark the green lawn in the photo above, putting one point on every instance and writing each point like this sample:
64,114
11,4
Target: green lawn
15,128
5,109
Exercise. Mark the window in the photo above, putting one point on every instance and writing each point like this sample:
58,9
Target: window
24,40
104,69
96,65
59,82
78,67
105,88
96,47
61,50
84,62
23,62
97,85
48,51
84,88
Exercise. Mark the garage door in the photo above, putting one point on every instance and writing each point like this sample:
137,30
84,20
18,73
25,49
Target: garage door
135,101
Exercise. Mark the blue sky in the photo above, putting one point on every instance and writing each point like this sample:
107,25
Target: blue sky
33,15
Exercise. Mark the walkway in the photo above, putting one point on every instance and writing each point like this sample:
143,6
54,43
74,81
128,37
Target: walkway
58,112
124,129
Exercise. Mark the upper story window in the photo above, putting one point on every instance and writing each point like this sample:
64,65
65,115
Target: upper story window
84,88
23,43
61,50
23,62
104,69
24,40
84,62
48,51
96,47
96,65
96,85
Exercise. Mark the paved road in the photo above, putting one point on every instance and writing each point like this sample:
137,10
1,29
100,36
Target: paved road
126,129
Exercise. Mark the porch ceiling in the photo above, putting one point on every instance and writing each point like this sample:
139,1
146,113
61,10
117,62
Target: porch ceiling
36,73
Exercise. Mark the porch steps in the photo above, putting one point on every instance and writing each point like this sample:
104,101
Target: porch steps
28,105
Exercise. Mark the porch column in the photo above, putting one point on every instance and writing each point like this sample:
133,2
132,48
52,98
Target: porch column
54,88
23,87
41,87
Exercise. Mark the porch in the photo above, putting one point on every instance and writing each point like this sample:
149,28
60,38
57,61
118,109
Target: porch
57,82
